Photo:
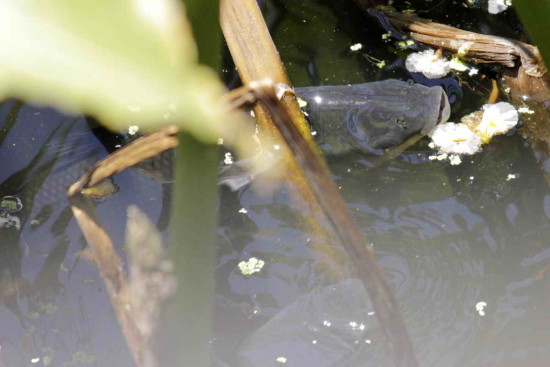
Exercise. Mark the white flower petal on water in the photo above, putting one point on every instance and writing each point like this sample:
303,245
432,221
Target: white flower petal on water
251,266
498,6
454,138
480,308
356,47
428,63
497,119
454,159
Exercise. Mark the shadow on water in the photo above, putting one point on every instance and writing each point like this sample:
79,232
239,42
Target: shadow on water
464,247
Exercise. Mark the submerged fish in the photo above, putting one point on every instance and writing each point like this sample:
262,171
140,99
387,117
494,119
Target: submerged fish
372,116
362,117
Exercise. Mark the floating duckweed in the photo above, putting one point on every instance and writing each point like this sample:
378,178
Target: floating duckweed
405,44
11,204
510,177
281,360
356,47
253,265
381,64
458,65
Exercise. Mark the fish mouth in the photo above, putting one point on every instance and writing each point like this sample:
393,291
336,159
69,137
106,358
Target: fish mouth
443,114
444,109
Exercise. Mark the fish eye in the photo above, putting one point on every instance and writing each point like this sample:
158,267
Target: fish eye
400,121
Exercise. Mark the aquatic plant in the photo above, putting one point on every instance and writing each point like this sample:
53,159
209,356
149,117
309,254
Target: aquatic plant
429,63
498,6
497,119
455,138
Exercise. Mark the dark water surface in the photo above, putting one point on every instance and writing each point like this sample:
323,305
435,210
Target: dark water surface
447,237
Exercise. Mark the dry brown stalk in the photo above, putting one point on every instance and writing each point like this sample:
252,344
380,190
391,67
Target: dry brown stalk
111,270
137,151
257,58
477,47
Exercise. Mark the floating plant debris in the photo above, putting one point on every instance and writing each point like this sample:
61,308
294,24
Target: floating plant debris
477,128
497,119
498,6
251,266
455,138
427,62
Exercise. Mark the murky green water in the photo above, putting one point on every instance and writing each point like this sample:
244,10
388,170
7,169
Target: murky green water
448,238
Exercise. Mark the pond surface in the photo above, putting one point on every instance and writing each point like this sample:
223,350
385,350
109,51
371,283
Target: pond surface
464,247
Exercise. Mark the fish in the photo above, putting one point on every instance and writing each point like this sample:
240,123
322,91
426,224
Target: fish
371,117
368,117
364,117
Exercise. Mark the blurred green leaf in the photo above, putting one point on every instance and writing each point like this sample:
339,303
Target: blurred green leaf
534,15
123,61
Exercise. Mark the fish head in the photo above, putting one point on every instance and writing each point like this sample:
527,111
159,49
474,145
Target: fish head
395,112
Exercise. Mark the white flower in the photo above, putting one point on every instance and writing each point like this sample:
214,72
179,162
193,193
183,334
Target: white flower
428,63
454,138
497,119
498,6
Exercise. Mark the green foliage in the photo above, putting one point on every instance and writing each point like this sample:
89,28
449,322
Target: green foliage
534,14
125,62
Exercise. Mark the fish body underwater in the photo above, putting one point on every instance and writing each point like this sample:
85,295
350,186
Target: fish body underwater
364,117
